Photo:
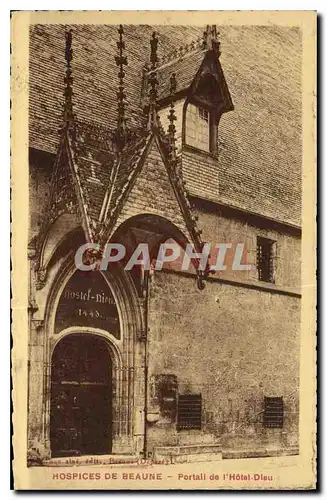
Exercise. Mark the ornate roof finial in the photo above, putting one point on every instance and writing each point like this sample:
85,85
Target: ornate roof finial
172,118
210,39
173,84
121,61
153,82
68,80
154,55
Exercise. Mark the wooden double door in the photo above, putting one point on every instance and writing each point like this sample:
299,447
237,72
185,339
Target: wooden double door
81,397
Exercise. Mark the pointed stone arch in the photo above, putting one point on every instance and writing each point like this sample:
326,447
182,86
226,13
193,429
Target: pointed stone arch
155,223
128,355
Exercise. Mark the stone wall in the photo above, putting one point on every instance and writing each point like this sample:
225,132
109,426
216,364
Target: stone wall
235,342
234,346
220,229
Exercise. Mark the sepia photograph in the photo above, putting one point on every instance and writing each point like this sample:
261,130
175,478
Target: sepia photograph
164,256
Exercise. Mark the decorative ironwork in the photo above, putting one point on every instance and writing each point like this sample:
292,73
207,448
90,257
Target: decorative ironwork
172,118
200,281
189,411
273,416
121,61
154,47
153,83
68,80
182,51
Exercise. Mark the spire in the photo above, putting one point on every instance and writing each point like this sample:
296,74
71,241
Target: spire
153,82
68,80
172,118
210,39
121,61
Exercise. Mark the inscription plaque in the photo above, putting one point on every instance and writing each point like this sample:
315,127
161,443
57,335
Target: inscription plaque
87,301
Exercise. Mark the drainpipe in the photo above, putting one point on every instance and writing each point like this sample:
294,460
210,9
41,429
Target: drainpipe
145,291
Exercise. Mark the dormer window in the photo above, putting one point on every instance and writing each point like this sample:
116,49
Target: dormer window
200,95
198,127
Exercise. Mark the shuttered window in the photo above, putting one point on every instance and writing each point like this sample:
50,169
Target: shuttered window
189,411
273,416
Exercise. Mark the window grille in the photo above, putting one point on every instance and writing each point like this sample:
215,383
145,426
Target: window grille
265,260
189,413
273,416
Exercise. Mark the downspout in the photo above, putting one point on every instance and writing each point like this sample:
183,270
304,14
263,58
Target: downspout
145,290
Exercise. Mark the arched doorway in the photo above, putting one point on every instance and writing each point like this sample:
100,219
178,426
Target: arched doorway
81,396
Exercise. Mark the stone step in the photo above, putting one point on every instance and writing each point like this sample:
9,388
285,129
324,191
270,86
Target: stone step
260,453
196,437
189,453
263,443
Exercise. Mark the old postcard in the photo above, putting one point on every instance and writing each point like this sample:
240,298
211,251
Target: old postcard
163,250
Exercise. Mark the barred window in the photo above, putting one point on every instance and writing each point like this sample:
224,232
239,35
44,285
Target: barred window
189,411
266,259
197,130
273,415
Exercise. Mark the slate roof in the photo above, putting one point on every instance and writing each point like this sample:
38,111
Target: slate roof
134,159
128,163
259,163
185,69
94,160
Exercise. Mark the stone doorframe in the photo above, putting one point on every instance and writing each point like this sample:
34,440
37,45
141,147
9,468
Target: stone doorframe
127,357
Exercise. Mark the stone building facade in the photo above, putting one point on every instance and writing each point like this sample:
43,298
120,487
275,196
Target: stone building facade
198,139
